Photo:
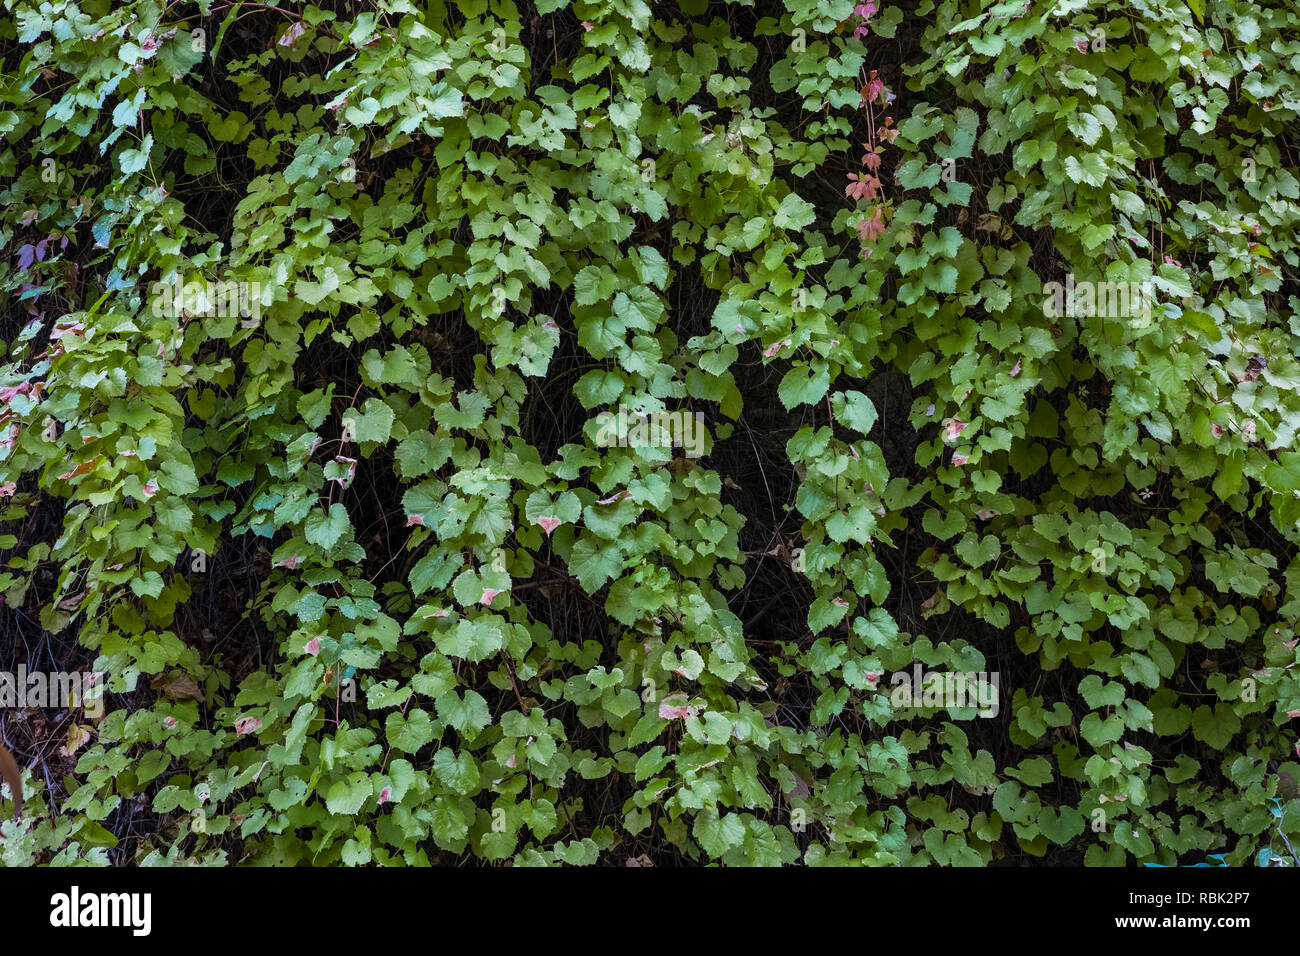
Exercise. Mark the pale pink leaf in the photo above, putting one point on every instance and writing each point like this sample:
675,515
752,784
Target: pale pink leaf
953,427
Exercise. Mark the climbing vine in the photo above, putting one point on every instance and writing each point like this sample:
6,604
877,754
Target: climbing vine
560,432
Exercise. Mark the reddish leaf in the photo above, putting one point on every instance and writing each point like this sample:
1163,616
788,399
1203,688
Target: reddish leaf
83,468
248,725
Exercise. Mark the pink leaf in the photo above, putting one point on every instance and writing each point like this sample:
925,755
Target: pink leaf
351,464
959,460
549,524
68,328
313,647
669,710
385,795
291,35
9,392
84,468
248,725
869,230
864,186
412,520
953,427
488,595
149,43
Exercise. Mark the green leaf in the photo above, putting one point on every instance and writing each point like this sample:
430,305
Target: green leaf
1087,169
326,529
1215,725
716,835
374,423
132,161
468,714
855,410
804,385
349,795
472,640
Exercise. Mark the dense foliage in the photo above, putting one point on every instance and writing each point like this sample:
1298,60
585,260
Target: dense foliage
376,570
